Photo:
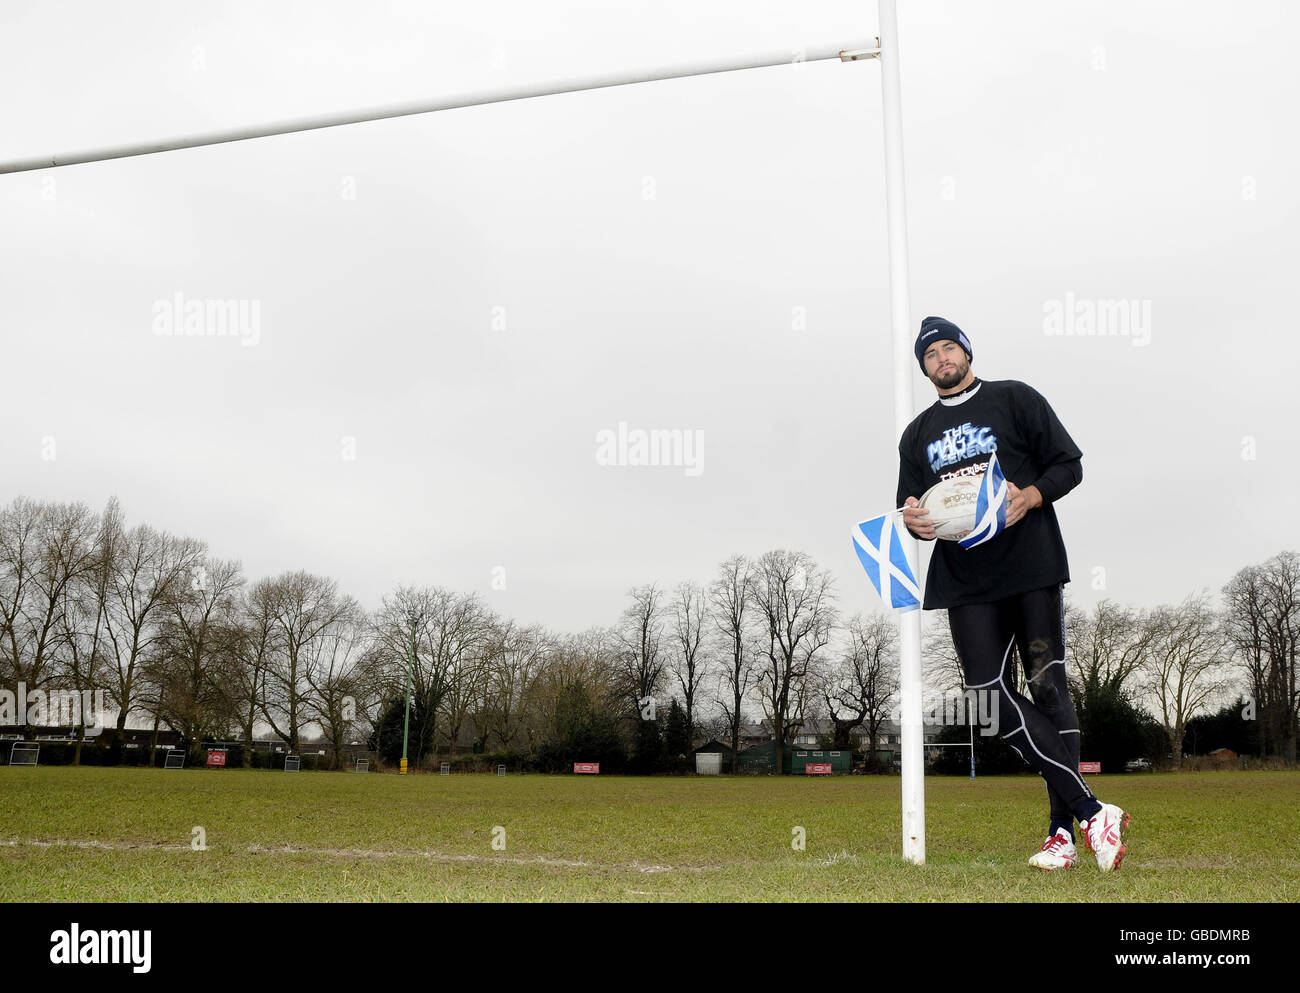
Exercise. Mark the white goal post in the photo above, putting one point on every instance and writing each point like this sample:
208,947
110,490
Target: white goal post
886,51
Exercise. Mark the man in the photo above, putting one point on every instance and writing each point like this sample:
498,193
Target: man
1008,590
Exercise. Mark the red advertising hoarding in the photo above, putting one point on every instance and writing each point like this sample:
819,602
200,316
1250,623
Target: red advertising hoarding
816,768
217,759
589,767
1090,767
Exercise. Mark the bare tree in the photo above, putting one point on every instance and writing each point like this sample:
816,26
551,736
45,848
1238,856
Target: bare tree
594,659
1263,621
45,549
83,617
1281,579
149,572
729,596
1183,665
517,657
19,549
795,602
254,640
640,634
1246,618
195,651
860,688
434,638
942,667
715,726
690,662
336,674
589,659
1105,648
305,611
397,630
457,632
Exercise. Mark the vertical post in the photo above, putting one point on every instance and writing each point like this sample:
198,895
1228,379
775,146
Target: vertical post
901,323
970,716
410,680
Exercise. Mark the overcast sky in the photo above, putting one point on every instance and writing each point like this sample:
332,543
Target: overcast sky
462,301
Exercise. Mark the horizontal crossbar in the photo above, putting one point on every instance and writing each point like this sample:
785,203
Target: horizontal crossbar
846,53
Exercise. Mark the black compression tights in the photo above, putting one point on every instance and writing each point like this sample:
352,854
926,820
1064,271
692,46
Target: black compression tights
1044,731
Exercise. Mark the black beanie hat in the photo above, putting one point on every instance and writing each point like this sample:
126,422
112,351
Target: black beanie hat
939,329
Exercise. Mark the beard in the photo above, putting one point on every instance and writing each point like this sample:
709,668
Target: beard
947,380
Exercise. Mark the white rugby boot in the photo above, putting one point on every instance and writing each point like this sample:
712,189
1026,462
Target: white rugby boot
1058,852
1105,834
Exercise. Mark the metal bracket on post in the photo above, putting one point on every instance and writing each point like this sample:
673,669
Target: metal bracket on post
861,53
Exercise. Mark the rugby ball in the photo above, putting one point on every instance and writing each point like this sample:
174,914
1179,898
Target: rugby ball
951,504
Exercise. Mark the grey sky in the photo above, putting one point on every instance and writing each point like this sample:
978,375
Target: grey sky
1115,152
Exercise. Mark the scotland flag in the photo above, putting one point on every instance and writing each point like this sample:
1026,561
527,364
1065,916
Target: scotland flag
990,508
881,553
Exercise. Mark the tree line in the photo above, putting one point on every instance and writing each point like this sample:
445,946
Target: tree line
180,639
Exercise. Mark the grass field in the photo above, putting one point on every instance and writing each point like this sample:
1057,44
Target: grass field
92,834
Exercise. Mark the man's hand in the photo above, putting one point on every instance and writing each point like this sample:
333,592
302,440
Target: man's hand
1020,502
918,521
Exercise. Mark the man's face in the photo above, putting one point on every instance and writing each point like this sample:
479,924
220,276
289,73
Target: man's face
945,364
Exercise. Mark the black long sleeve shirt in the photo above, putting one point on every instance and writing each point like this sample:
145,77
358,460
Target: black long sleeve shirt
1033,448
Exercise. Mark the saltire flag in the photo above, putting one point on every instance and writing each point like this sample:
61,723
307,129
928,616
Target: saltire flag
990,506
880,550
